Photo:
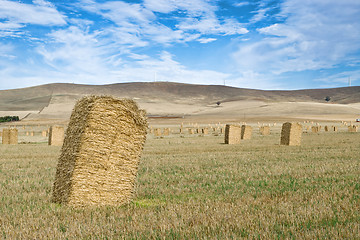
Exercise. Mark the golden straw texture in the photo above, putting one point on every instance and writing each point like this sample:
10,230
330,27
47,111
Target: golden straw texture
101,152
246,132
265,130
56,136
232,134
10,136
291,134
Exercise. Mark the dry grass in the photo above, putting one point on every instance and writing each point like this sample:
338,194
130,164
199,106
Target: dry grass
198,187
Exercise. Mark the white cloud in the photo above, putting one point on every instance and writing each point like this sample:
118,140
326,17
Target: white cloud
341,79
141,22
43,14
241,4
206,40
212,25
191,7
315,35
260,15
74,51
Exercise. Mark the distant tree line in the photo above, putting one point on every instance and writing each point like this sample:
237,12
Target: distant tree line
9,118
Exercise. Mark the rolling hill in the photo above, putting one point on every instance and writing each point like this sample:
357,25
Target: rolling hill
167,98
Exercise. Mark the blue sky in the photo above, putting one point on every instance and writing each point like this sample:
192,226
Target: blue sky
263,44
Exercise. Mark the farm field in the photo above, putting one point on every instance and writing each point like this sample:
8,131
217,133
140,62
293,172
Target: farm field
195,186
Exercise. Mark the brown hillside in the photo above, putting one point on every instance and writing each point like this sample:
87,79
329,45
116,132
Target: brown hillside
39,97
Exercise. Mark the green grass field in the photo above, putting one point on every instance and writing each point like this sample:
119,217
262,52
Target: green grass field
198,188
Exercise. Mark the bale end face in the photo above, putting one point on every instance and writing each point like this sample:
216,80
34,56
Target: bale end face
232,134
246,132
291,134
10,136
56,136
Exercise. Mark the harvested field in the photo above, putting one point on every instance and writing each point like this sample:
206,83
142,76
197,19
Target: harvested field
195,187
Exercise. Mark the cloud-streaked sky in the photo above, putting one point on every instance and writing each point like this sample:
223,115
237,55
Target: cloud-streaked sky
262,44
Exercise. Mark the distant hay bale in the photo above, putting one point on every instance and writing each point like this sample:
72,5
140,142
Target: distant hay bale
291,134
32,133
10,136
334,128
232,134
56,136
191,131
326,128
352,128
101,152
157,132
166,132
205,131
27,133
265,130
246,132
315,129
44,133
13,136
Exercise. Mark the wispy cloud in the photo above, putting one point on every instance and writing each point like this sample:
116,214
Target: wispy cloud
141,20
343,79
315,35
241,4
42,13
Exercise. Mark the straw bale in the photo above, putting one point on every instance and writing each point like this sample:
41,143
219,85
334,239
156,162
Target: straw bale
222,130
326,128
157,132
334,128
232,134
166,132
265,130
32,133
6,136
44,133
56,136
27,133
315,129
10,136
352,128
205,131
191,131
101,152
246,132
291,134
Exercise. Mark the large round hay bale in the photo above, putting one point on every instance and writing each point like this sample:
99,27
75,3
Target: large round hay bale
291,134
100,156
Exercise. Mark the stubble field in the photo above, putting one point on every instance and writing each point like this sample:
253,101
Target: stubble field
197,187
